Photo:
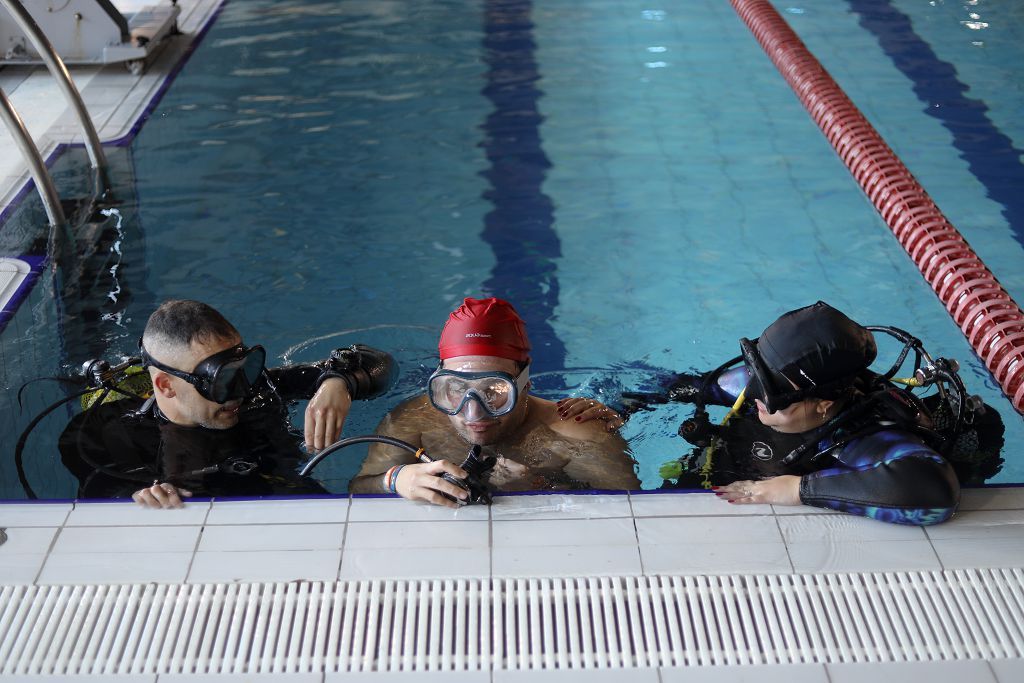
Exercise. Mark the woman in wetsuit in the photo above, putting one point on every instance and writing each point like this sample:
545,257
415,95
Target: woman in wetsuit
813,425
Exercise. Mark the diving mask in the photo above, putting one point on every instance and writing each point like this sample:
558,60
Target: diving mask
764,384
226,375
496,392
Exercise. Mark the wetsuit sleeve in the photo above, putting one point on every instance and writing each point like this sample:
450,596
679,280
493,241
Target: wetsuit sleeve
366,371
890,476
686,388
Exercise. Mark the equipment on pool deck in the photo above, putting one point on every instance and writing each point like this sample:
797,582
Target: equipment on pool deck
91,32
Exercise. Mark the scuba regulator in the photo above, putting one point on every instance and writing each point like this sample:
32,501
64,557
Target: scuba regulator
477,468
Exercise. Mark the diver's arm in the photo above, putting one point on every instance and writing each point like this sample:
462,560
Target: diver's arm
416,480
603,460
686,388
903,481
326,413
367,373
606,466
381,457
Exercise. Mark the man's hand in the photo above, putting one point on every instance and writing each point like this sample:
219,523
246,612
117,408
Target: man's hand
783,490
326,413
586,409
423,481
161,496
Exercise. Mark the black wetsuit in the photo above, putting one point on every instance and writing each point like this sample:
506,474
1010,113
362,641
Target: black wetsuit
875,470
117,448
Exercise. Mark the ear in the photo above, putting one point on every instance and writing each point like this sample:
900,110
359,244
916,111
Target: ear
823,406
162,385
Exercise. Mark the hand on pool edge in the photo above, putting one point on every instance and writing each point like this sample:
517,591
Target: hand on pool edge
586,409
422,481
781,490
161,496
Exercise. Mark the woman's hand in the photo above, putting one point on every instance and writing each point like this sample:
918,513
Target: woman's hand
783,490
423,481
161,496
586,409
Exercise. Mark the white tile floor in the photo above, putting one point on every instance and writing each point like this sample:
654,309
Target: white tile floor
565,535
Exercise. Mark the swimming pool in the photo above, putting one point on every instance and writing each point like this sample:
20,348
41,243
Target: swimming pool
636,178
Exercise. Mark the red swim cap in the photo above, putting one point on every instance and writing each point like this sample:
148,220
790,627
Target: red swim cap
485,327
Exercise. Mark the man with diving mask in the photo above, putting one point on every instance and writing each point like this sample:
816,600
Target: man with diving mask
479,395
217,421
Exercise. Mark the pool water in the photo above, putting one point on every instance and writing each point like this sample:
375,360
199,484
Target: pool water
635,177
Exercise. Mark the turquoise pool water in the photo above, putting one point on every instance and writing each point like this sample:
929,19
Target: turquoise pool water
636,177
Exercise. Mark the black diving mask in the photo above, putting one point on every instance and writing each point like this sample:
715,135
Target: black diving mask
764,385
222,377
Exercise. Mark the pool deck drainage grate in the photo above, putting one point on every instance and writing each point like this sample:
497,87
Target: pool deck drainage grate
512,624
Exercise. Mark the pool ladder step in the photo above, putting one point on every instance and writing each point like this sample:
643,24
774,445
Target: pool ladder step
517,624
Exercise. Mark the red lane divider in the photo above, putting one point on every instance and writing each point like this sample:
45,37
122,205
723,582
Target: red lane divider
992,322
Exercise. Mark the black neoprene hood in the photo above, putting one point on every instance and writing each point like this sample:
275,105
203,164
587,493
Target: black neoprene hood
816,345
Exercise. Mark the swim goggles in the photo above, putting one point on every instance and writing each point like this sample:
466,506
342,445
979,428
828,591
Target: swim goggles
226,375
496,392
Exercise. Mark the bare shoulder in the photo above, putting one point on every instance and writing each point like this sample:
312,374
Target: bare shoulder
406,421
410,410
592,430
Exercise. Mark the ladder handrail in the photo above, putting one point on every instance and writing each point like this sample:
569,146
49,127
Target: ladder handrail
37,167
63,77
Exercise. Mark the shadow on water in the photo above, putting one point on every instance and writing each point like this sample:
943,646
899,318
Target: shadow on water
75,312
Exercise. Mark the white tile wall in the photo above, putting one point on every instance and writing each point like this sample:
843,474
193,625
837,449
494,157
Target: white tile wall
33,514
696,503
77,568
129,514
787,673
410,677
558,506
577,676
399,510
272,537
981,525
306,511
818,528
715,530
401,536
28,540
912,672
840,555
140,539
563,532
594,560
712,558
266,565
20,568
414,563
1008,670
961,553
